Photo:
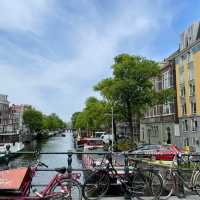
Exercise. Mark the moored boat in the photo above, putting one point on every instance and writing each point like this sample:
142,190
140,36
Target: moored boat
10,143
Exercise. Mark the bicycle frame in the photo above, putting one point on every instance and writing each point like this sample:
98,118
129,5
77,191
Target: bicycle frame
191,183
177,173
46,192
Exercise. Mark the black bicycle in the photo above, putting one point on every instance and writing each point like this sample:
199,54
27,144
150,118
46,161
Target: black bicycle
176,176
140,182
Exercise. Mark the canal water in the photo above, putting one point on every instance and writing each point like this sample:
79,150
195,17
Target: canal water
52,144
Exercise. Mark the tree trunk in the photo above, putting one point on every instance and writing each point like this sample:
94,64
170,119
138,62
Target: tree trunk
138,128
115,131
130,122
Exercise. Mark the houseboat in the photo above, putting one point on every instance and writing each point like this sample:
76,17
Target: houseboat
11,142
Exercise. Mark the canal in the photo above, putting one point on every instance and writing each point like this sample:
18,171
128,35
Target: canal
52,144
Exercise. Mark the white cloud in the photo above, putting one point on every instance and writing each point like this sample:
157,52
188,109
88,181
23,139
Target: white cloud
23,15
63,85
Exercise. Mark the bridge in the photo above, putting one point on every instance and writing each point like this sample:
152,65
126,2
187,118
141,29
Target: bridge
69,155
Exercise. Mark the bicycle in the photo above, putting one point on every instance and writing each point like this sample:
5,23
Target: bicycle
135,184
62,186
174,177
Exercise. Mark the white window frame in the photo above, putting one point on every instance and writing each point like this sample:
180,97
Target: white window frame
189,57
184,111
181,74
185,124
166,80
182,88
194,124
193,111
191,72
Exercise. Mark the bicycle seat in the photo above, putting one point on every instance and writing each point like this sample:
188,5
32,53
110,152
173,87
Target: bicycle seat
61,170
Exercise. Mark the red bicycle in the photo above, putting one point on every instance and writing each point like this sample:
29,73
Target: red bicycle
15,184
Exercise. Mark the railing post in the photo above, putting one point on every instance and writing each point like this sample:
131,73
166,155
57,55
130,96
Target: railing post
181,193
7,155
126,170
69,161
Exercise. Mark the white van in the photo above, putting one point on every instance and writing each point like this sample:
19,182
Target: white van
106,137
99,133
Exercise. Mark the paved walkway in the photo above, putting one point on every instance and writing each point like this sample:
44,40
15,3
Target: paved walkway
189,197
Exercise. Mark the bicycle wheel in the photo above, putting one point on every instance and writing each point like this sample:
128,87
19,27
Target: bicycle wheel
169,185
147,184
96,185
156,184
197,184
69,187
139,186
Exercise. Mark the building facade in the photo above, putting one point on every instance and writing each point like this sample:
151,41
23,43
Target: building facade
160,124
4,113
188,86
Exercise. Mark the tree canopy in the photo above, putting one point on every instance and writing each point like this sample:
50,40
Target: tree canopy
33,119
130,88
36,121
94,116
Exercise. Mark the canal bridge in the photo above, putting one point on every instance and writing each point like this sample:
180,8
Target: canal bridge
61,151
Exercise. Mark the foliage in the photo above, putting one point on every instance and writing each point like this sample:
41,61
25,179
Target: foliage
123,145
37,122
33,119
74,118
94,116
130,89
53,122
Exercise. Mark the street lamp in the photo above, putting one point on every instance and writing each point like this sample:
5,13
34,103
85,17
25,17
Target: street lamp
112,127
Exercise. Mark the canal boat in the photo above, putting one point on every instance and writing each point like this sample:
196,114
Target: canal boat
11,142
79,144
92,145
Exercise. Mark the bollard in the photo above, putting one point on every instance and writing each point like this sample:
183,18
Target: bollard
126,170
181,193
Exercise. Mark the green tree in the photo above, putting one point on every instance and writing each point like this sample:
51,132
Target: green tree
53,122
93,117
74,118
130,89
33,119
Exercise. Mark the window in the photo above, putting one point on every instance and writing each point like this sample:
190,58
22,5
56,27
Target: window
159,109
189,57
194,124
191,71
185,125
193,107
184,109
154,131
192,89
155,110
151,112
181,74
182,91
166,79
166,108
186,142
181,60
193,141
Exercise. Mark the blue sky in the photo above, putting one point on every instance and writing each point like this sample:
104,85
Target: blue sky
52,52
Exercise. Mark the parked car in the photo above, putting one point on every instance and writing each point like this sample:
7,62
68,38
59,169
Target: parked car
167,152
146,150
106,138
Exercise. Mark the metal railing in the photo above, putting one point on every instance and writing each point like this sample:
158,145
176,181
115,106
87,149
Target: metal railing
70,169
